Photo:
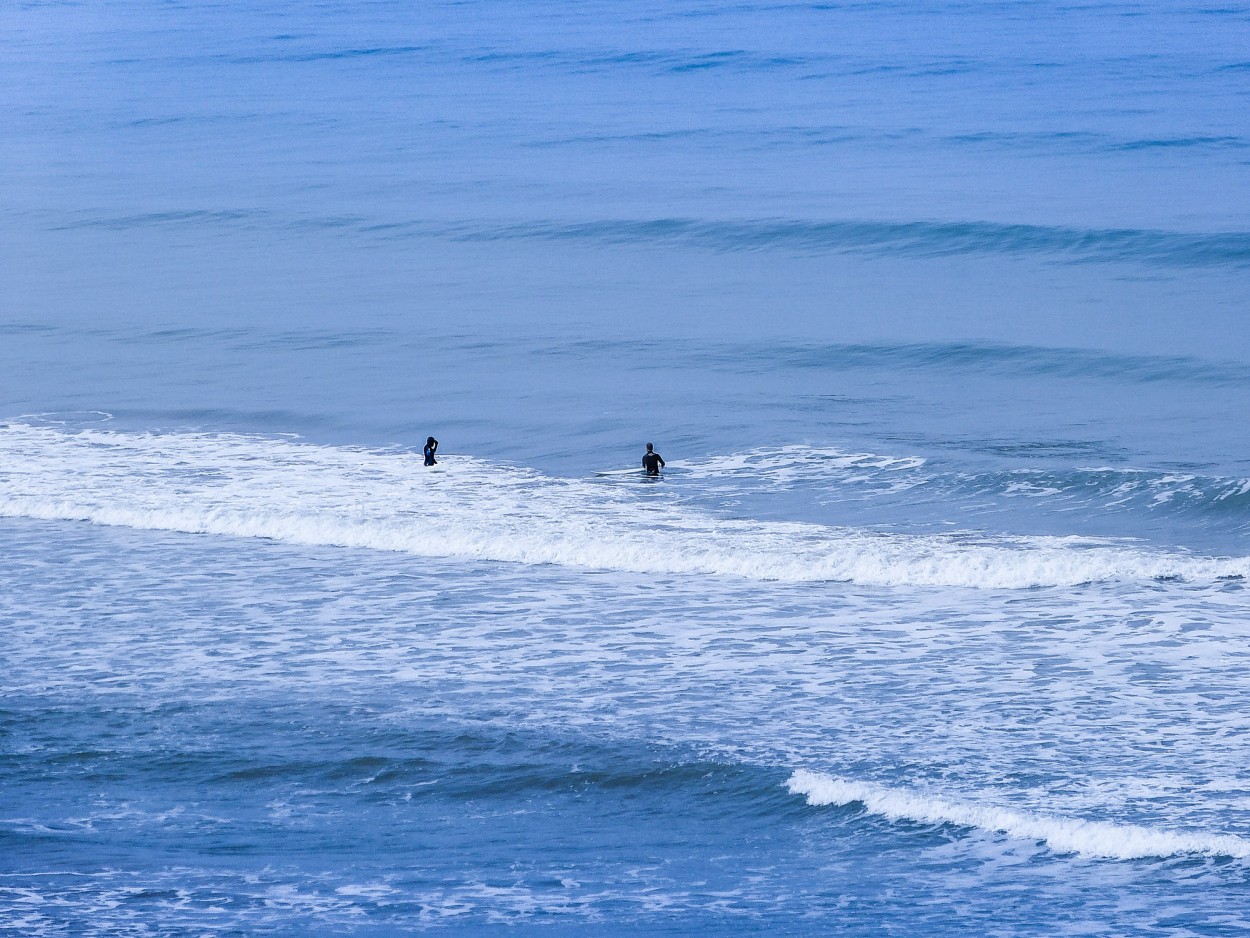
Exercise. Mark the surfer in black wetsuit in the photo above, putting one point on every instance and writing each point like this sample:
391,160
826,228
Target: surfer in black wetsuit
652,461
431,447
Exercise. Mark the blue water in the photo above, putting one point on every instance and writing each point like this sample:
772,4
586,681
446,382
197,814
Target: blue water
935,624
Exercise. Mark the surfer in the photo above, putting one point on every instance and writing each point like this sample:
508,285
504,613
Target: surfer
652,461
431,447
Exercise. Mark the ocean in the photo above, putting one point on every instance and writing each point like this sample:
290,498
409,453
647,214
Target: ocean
936,622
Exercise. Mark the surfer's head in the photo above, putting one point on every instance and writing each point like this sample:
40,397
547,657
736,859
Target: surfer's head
650,447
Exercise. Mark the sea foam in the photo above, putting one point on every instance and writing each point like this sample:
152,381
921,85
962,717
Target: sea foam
252,486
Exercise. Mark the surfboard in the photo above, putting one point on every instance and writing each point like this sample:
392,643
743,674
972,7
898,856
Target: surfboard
620,472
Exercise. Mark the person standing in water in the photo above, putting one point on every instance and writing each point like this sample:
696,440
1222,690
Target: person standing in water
652,461
431,447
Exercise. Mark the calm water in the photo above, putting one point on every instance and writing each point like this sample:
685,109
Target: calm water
936,623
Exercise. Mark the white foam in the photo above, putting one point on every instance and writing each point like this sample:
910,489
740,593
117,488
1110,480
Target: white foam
1031,490
301,493
1063,835
786,466
1239,489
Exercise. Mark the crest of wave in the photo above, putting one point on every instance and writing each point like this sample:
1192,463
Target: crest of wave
1063,835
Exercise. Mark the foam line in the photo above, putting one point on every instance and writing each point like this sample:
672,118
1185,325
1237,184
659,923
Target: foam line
1063,835
301,493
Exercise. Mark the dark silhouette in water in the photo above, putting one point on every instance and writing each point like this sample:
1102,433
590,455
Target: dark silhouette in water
652,461
431,447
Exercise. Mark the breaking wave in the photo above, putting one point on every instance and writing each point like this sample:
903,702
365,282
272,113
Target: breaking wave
1063,835
467,508
830,474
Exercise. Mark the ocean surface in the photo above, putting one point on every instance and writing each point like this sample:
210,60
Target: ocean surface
937,622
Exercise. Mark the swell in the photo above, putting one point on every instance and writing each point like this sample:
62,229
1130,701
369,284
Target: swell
1002,360
1106,839
904,239
373,755
997,360
909,239
246,486
276,753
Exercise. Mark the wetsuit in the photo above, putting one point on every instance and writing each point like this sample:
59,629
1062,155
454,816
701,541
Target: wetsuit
652,463
430,449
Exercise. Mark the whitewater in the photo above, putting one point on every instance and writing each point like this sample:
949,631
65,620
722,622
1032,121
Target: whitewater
281,489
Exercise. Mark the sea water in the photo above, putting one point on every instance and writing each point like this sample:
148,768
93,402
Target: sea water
937,621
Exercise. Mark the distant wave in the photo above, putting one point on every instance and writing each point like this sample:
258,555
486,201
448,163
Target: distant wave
229,217
1063,835
363,52
892,238
247,486
1001,359
1166,143
911,239
1089,142
778,356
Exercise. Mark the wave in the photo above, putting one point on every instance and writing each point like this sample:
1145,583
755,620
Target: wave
1175,493
958,358
817,469
1063,835
1077,141
833,475
471,509
909,239
921,238
1012,360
